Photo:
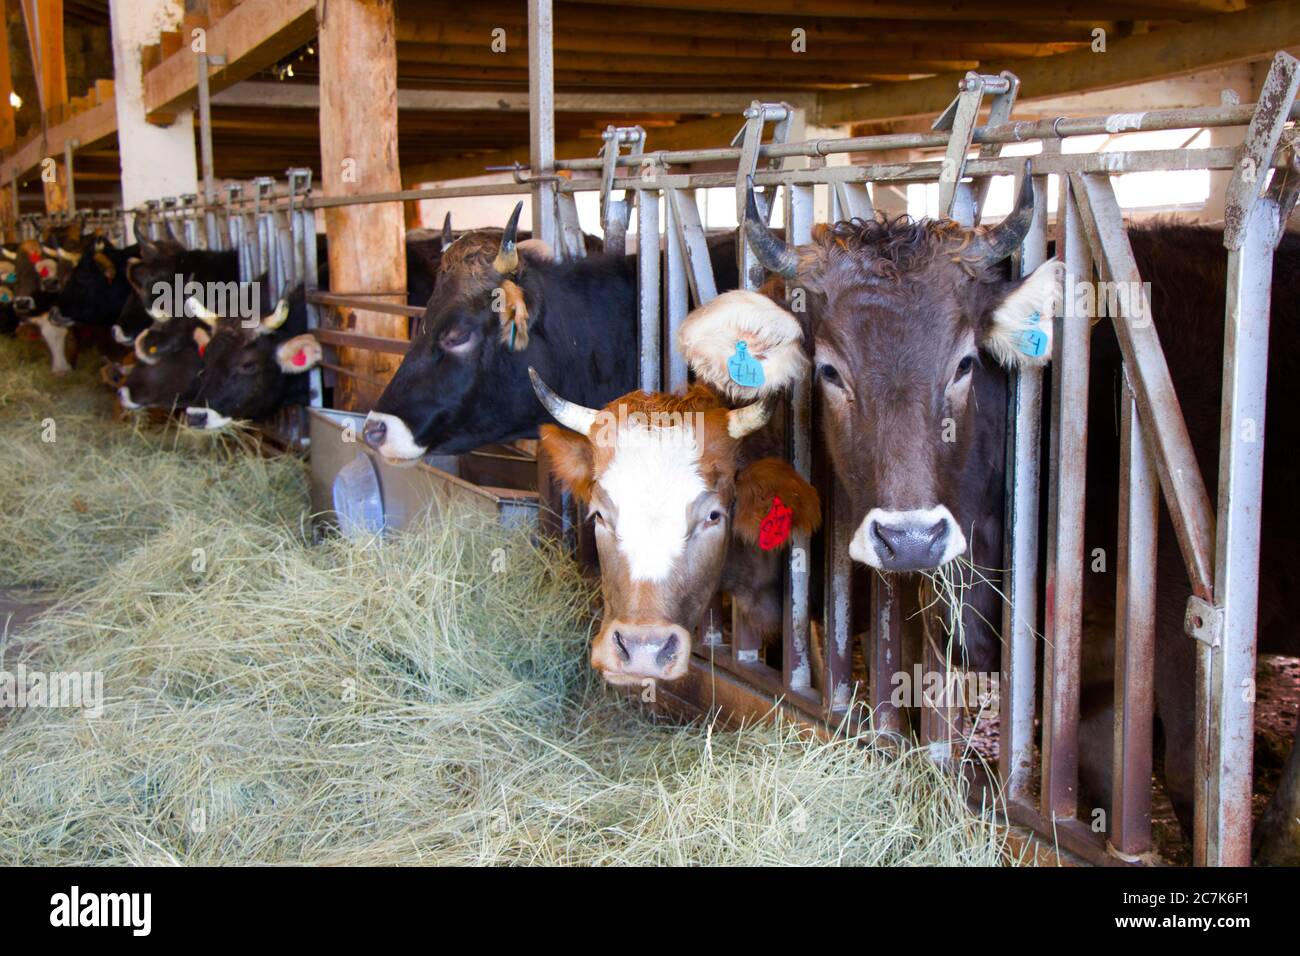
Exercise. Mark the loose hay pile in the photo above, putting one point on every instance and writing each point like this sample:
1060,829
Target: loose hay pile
423,700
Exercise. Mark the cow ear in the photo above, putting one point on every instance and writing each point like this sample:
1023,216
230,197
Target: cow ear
1020,330
570,455
744,345
132,265
299,354
201,337
512,311
772,501
106,266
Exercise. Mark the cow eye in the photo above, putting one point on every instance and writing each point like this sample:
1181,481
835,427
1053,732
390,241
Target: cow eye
964,367
714,517
598,517
830,375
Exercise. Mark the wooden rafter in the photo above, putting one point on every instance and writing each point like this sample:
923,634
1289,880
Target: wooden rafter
44,22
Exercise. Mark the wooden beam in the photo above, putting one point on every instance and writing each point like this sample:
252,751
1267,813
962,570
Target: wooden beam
1214,41
87,128
252,93
449,20
946,10
44,20
252,36
7,129
790,64
448,33
358,146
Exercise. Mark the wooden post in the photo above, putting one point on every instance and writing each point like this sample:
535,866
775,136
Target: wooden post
8,134
358,129
44,21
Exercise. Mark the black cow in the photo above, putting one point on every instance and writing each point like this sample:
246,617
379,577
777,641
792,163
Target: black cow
251,369
500,306
914,324
97,288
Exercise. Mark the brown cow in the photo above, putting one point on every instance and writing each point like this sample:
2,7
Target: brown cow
685,502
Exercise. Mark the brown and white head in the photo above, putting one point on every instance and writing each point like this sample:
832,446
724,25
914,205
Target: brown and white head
661,477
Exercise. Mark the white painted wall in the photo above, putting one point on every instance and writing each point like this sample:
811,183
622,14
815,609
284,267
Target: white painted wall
156,161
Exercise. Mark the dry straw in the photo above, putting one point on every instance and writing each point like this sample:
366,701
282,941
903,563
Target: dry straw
423,699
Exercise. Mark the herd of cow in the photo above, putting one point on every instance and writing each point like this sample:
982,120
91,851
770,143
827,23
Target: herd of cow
909,328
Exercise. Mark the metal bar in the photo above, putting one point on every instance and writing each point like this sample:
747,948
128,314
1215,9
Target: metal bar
1158,407
676,299
205,146
886,653
356,340
648,290
837,680
1276,98
1135,652
541,117
366,304
796,664
851,201
1013,132
1020,585
959,120
68,149
1225,713
685,216
1064,610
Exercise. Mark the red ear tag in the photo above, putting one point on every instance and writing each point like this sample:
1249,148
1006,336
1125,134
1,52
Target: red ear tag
45,272
33,257
774,530
299,358
202,349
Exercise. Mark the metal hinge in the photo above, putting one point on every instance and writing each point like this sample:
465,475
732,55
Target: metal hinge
1203,621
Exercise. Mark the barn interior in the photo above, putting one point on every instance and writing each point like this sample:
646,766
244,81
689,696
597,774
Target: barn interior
404,112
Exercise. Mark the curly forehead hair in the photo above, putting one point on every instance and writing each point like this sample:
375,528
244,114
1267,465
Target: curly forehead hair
471,252
889,248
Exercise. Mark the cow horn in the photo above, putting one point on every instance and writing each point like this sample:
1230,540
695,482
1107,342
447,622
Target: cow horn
146,242
49,251
446,229
774,254
1005,238
139,350
9,254
750,418
160,315
577,418
276,318
507,260
201,312
66,256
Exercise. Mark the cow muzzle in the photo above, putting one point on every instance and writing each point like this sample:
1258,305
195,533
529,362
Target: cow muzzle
631,653
390,436
917,540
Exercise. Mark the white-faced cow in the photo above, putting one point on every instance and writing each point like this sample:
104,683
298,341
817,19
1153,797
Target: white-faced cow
685,501
915,324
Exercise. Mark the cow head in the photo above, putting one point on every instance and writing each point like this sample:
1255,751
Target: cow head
251,369
659,475
914,323
96,288
475,327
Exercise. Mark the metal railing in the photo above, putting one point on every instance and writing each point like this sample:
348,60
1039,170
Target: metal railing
273,231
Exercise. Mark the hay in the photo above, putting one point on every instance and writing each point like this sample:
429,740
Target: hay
81,492
425,699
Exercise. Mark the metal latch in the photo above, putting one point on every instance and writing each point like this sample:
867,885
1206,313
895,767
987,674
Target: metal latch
1203,621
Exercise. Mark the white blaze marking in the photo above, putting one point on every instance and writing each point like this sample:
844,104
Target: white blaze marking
651,481
398,442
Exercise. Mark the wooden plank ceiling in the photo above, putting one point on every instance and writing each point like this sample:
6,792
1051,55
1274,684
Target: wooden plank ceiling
826,51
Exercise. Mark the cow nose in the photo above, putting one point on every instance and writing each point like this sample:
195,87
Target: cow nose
196,419
647,652
904,543
374,432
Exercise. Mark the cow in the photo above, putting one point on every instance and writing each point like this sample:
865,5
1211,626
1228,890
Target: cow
251,369
97,288
168,360
915,325
501,305
34,292
686,499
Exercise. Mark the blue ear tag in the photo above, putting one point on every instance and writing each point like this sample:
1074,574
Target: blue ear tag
1033,342
744,369
5,296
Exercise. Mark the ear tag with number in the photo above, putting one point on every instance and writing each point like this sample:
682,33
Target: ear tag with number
774,529
1033,342
744,369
